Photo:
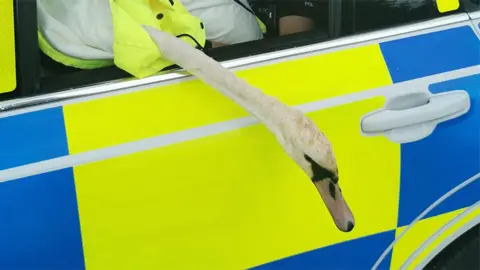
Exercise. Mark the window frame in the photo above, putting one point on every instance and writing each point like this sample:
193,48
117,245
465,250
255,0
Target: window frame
29,57
27,63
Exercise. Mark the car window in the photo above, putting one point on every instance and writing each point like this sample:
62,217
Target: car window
233,30
341,18
294,23
471,5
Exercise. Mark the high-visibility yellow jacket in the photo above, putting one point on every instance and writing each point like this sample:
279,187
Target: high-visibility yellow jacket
133,50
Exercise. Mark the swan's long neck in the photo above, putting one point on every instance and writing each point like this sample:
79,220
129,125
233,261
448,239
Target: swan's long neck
267,109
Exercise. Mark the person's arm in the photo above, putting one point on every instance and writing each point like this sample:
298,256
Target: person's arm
294,24
297,16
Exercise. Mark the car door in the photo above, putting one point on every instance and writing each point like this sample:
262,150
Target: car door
450,245
175,176
423,62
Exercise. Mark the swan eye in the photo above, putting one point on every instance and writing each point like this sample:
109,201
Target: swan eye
319,172
334,179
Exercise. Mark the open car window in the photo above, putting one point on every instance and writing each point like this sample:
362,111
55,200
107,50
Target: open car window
471,5
327,20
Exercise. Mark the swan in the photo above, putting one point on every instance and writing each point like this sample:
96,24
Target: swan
299,137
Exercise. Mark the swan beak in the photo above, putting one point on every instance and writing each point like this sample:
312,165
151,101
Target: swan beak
336,205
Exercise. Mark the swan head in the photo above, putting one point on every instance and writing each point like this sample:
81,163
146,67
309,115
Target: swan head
312,151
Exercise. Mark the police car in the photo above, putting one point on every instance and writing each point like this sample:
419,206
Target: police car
102,171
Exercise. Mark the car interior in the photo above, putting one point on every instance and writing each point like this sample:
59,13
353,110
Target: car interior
38,74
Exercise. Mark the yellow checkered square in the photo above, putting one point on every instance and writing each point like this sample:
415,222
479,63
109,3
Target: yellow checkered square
447,5
8,80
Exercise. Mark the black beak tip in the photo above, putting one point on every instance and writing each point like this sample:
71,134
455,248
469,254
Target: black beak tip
350,226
